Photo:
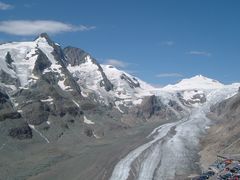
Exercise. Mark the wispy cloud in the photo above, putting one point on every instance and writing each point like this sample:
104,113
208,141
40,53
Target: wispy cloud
168,43
5,6
28,5
27,27
116,63
169,75
132,72
199,53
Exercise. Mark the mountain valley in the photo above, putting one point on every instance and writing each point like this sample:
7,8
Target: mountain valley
65,116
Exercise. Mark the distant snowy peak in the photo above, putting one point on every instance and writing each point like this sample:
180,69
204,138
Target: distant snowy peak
196,82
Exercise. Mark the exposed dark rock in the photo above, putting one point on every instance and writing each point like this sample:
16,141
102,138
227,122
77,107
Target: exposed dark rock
71,121
36,112
65,126
201,97
24,132
8,79
175,105
45,128
76,56
131,83
6,109
9,60
62,114
74,111
224,135
88,106
10,115
3,97
218,108
152,106
57,53
88,132
50,78
197,98
41,63
60,58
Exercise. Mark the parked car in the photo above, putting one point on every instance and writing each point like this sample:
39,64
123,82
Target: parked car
203,177
226,176
210,173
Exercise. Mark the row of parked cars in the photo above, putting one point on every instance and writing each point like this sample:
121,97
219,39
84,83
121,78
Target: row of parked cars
227,169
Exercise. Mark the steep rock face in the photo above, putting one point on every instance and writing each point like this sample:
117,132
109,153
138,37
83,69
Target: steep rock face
14,125
41,63
23,132
155,109
36,112
9,60
6,108
130,81
229,108
40,86
152,106
5,77
76,57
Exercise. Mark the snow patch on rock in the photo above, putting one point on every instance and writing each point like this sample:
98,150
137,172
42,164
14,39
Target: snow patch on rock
87,121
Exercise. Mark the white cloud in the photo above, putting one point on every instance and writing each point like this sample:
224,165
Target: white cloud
5,6
27,27
167,75
116,63
168,43
199,53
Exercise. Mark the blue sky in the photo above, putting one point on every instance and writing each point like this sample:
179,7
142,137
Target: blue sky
160,41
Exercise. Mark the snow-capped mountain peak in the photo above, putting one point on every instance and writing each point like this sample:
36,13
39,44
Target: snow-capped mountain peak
196,82
23,61
109,84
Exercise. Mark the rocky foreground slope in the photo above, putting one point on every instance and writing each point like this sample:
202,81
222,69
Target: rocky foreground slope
65,116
